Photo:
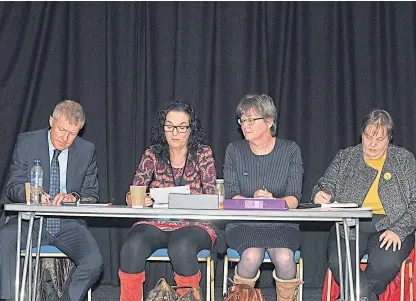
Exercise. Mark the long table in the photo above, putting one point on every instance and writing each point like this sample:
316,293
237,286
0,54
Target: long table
347,217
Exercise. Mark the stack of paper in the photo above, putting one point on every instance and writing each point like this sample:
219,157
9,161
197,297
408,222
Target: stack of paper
161,195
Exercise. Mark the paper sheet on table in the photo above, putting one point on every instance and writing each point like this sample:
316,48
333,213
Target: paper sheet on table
161,195
339,205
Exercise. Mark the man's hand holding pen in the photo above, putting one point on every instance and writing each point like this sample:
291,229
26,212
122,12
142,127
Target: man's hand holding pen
322,196
58,200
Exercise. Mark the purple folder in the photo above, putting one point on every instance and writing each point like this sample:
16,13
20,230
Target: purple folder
255,204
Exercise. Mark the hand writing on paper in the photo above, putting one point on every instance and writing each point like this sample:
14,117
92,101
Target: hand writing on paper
389,238
59,198
322,198
262,193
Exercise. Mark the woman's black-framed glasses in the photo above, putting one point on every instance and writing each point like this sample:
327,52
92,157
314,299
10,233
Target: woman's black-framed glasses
249,121
180,128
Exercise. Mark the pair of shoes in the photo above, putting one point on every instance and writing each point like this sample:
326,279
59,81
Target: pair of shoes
48,287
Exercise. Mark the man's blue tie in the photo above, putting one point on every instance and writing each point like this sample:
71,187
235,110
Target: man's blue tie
53,225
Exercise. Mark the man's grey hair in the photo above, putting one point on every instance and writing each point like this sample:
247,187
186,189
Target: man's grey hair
379,118
71,110
262,104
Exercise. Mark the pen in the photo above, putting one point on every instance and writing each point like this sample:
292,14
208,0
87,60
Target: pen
322,188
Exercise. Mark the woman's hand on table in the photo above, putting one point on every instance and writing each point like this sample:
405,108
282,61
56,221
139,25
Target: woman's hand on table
148,201
262,193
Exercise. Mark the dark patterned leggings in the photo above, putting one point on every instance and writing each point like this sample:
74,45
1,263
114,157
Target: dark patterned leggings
183,245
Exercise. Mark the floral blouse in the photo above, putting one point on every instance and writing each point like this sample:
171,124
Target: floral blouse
199,173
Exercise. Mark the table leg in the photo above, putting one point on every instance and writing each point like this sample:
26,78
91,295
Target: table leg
25,266
18,247
29,294
357,258
349,262
346,275
37,259
341,280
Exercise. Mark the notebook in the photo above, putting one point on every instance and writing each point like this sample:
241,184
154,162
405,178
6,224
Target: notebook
339,205
255,204
160,196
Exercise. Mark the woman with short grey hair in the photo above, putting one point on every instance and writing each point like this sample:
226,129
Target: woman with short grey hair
382,176
264,166
263,104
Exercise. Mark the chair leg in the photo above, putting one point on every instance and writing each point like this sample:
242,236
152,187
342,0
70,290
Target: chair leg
208,278
402,278
300,276
212,280
329,285
411,280
225,275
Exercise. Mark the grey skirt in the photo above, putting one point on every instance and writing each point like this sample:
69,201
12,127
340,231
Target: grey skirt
262,235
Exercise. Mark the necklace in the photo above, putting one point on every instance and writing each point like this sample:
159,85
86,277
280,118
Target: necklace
178,182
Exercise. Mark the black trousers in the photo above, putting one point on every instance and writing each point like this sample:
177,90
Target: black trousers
74,239
183,245
383,265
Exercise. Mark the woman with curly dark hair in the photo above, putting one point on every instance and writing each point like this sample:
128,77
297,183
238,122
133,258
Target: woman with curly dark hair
178,156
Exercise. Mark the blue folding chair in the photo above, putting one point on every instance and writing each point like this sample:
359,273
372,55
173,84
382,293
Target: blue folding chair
203,256
233,256
48,251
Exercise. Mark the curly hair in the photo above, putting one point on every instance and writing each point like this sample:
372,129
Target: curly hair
159,143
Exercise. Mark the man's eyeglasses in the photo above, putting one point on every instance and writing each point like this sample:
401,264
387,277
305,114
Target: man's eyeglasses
249,121
179,128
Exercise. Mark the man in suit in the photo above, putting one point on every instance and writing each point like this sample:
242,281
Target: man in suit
69,173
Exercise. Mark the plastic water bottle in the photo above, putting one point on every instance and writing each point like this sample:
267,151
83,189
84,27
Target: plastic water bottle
219,190
36,181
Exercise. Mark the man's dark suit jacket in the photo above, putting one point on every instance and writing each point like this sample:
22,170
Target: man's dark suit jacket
81,175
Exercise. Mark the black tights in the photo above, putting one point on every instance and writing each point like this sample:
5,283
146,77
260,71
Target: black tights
183,245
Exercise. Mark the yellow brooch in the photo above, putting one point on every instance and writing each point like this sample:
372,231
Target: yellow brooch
387,176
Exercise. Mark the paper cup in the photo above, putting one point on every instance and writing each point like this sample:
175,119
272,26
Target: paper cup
137,194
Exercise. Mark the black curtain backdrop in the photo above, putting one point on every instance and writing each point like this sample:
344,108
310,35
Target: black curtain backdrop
325,64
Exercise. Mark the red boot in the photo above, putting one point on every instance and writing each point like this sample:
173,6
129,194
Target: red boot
131,286
192,281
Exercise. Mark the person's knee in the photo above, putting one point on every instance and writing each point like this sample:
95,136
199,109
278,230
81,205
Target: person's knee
133,247
94,264
283,258
181,248
252,256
